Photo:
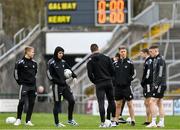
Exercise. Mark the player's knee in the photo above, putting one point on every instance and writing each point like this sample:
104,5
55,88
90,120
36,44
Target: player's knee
160,104
151,102
112,103
32,101
21,102
56,105
118,104
55,111
130,105
145,103
72,101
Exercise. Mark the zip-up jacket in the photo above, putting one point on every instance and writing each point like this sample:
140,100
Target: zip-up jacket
25,72
100,68
159,71
55,71
147,77
124,72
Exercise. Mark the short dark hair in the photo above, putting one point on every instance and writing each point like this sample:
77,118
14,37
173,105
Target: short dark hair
122,47
154,47
145,50
94,47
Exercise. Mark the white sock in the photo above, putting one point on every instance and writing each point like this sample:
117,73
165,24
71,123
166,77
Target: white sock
162,120
154,120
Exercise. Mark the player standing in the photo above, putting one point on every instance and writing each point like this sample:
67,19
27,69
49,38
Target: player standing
146,83
121,120
55,72
100,72
25,75
159,85
124,74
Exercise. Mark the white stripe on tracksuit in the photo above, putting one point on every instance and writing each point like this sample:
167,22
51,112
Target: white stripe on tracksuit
16,74
56,92
20,91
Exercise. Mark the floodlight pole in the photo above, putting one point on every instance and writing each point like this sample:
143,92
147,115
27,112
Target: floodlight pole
1,18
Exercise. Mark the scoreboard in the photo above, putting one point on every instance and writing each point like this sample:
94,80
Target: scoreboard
70,12
87,12
109,12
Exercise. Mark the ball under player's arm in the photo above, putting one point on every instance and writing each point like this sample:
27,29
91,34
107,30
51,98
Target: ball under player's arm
68,67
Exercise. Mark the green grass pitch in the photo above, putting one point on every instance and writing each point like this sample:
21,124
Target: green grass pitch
44,121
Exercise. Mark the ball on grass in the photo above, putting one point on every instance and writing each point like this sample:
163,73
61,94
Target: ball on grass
10,120
108,123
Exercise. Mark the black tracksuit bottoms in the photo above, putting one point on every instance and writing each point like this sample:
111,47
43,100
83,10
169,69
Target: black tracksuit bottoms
102,90
66,92
26,97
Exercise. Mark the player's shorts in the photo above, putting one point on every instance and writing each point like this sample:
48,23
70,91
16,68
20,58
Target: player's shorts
59,91
147,91
123,92
159,92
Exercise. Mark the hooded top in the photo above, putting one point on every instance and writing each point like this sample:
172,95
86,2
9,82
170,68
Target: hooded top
100,68
56,51
56,69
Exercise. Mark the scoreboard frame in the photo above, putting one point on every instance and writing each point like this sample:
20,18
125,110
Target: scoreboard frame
69,13
112,24
81,13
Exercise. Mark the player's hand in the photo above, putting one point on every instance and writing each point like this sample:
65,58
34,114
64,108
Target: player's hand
74,81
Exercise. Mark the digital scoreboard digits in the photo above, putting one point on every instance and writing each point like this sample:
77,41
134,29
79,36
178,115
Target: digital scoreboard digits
109,12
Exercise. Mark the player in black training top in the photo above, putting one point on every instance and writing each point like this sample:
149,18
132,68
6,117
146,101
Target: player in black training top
121,119
55,72
159,86
100,72
25,75
124,74
146,82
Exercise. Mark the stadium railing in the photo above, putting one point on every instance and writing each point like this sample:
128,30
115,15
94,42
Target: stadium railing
4,59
